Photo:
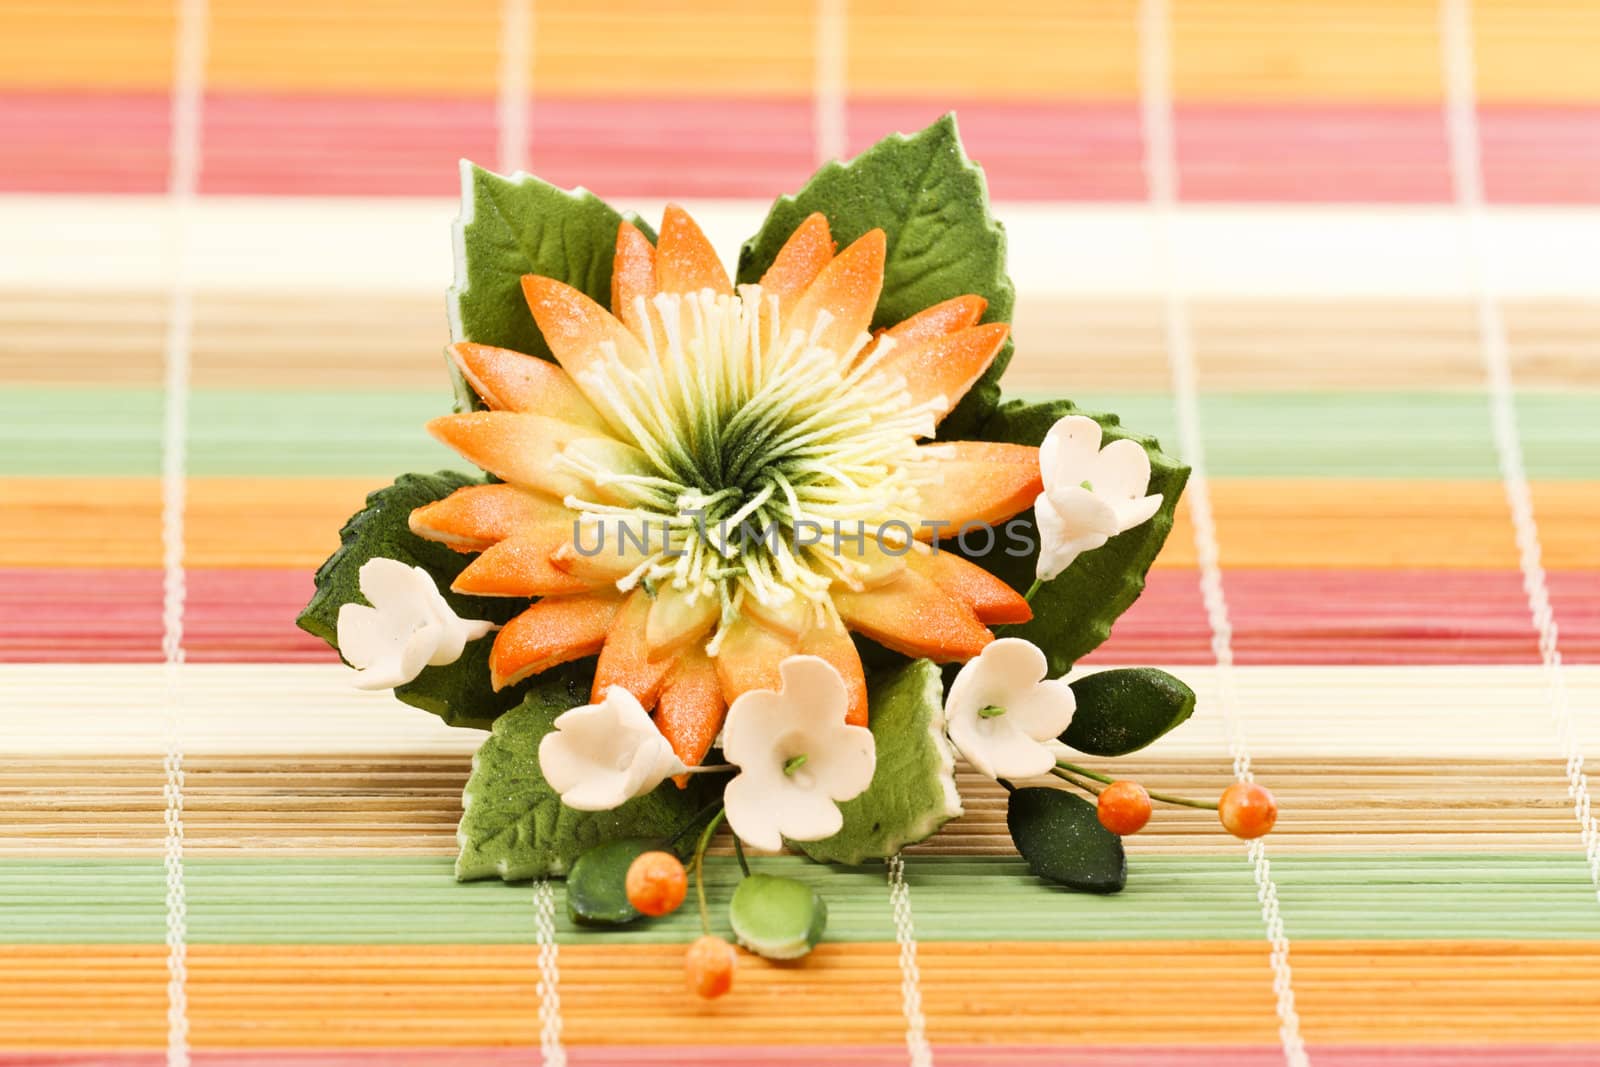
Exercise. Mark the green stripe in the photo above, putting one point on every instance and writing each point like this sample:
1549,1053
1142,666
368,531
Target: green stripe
395,900
379,433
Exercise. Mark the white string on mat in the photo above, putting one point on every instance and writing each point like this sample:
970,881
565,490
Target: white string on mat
1155,61
188,84
1466,171
917,1047
513,115
551,1050
828,99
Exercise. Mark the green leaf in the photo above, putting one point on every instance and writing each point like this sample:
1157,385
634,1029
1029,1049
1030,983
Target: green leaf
1072,614
597,886
520,225
933,204
779,918
1122,711
1060,836
913,790
457,692
513,824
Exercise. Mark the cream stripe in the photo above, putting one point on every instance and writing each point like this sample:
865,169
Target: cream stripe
1265,253
829,90
513,111
905,935
188,86
1161,174
1362,714
1466,168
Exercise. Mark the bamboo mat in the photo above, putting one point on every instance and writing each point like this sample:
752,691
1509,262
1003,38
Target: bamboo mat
1436,901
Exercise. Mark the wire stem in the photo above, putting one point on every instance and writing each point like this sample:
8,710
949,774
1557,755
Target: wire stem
699,862
1165,798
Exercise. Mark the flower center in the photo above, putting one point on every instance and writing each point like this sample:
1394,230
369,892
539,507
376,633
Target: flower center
991,711
768,452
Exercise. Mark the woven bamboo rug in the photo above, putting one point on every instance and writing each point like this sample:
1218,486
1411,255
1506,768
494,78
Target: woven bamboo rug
1341,257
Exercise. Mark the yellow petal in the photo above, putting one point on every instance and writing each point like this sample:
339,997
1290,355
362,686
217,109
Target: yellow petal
676,620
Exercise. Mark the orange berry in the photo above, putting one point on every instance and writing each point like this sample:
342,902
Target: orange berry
656,883
709,967
1124,808
1247,810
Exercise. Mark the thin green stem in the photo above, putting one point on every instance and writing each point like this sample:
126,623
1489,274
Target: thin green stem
738,850
1088,787
1038,583
694,821
699,862
1165,798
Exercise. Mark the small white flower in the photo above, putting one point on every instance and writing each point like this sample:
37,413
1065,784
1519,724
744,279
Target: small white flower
1091,494
602,755
408,627
797,758
1002,711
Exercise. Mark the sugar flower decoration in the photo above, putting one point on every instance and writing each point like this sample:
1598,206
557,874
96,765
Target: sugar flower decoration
1002,710
796,755
692,411
1091,494
602,755
408,627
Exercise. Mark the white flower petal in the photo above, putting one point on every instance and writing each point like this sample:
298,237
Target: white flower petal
1082,514
1067,450
1008,674
362,635
395,588
777,794
808,815
1044,713
1121,471
600,756
843,769
1136,511
996,748
753,812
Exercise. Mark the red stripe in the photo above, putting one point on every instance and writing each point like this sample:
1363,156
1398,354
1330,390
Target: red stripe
1279,617
283,143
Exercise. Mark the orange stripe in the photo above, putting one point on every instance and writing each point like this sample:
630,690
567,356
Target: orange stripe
1318,523
1111,993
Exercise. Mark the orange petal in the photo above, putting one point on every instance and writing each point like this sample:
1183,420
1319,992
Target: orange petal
553,631
797,264
625,659
913,616
691,708
512,381
633,274
945,366
847,289
476,516
983,482
941,319
748,657
833,644
685,260
993,601
577,329
520,566
522,448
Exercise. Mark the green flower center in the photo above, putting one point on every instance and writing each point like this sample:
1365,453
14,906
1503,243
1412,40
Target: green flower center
766,451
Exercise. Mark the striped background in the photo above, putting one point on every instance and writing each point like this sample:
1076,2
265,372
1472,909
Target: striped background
1431,878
